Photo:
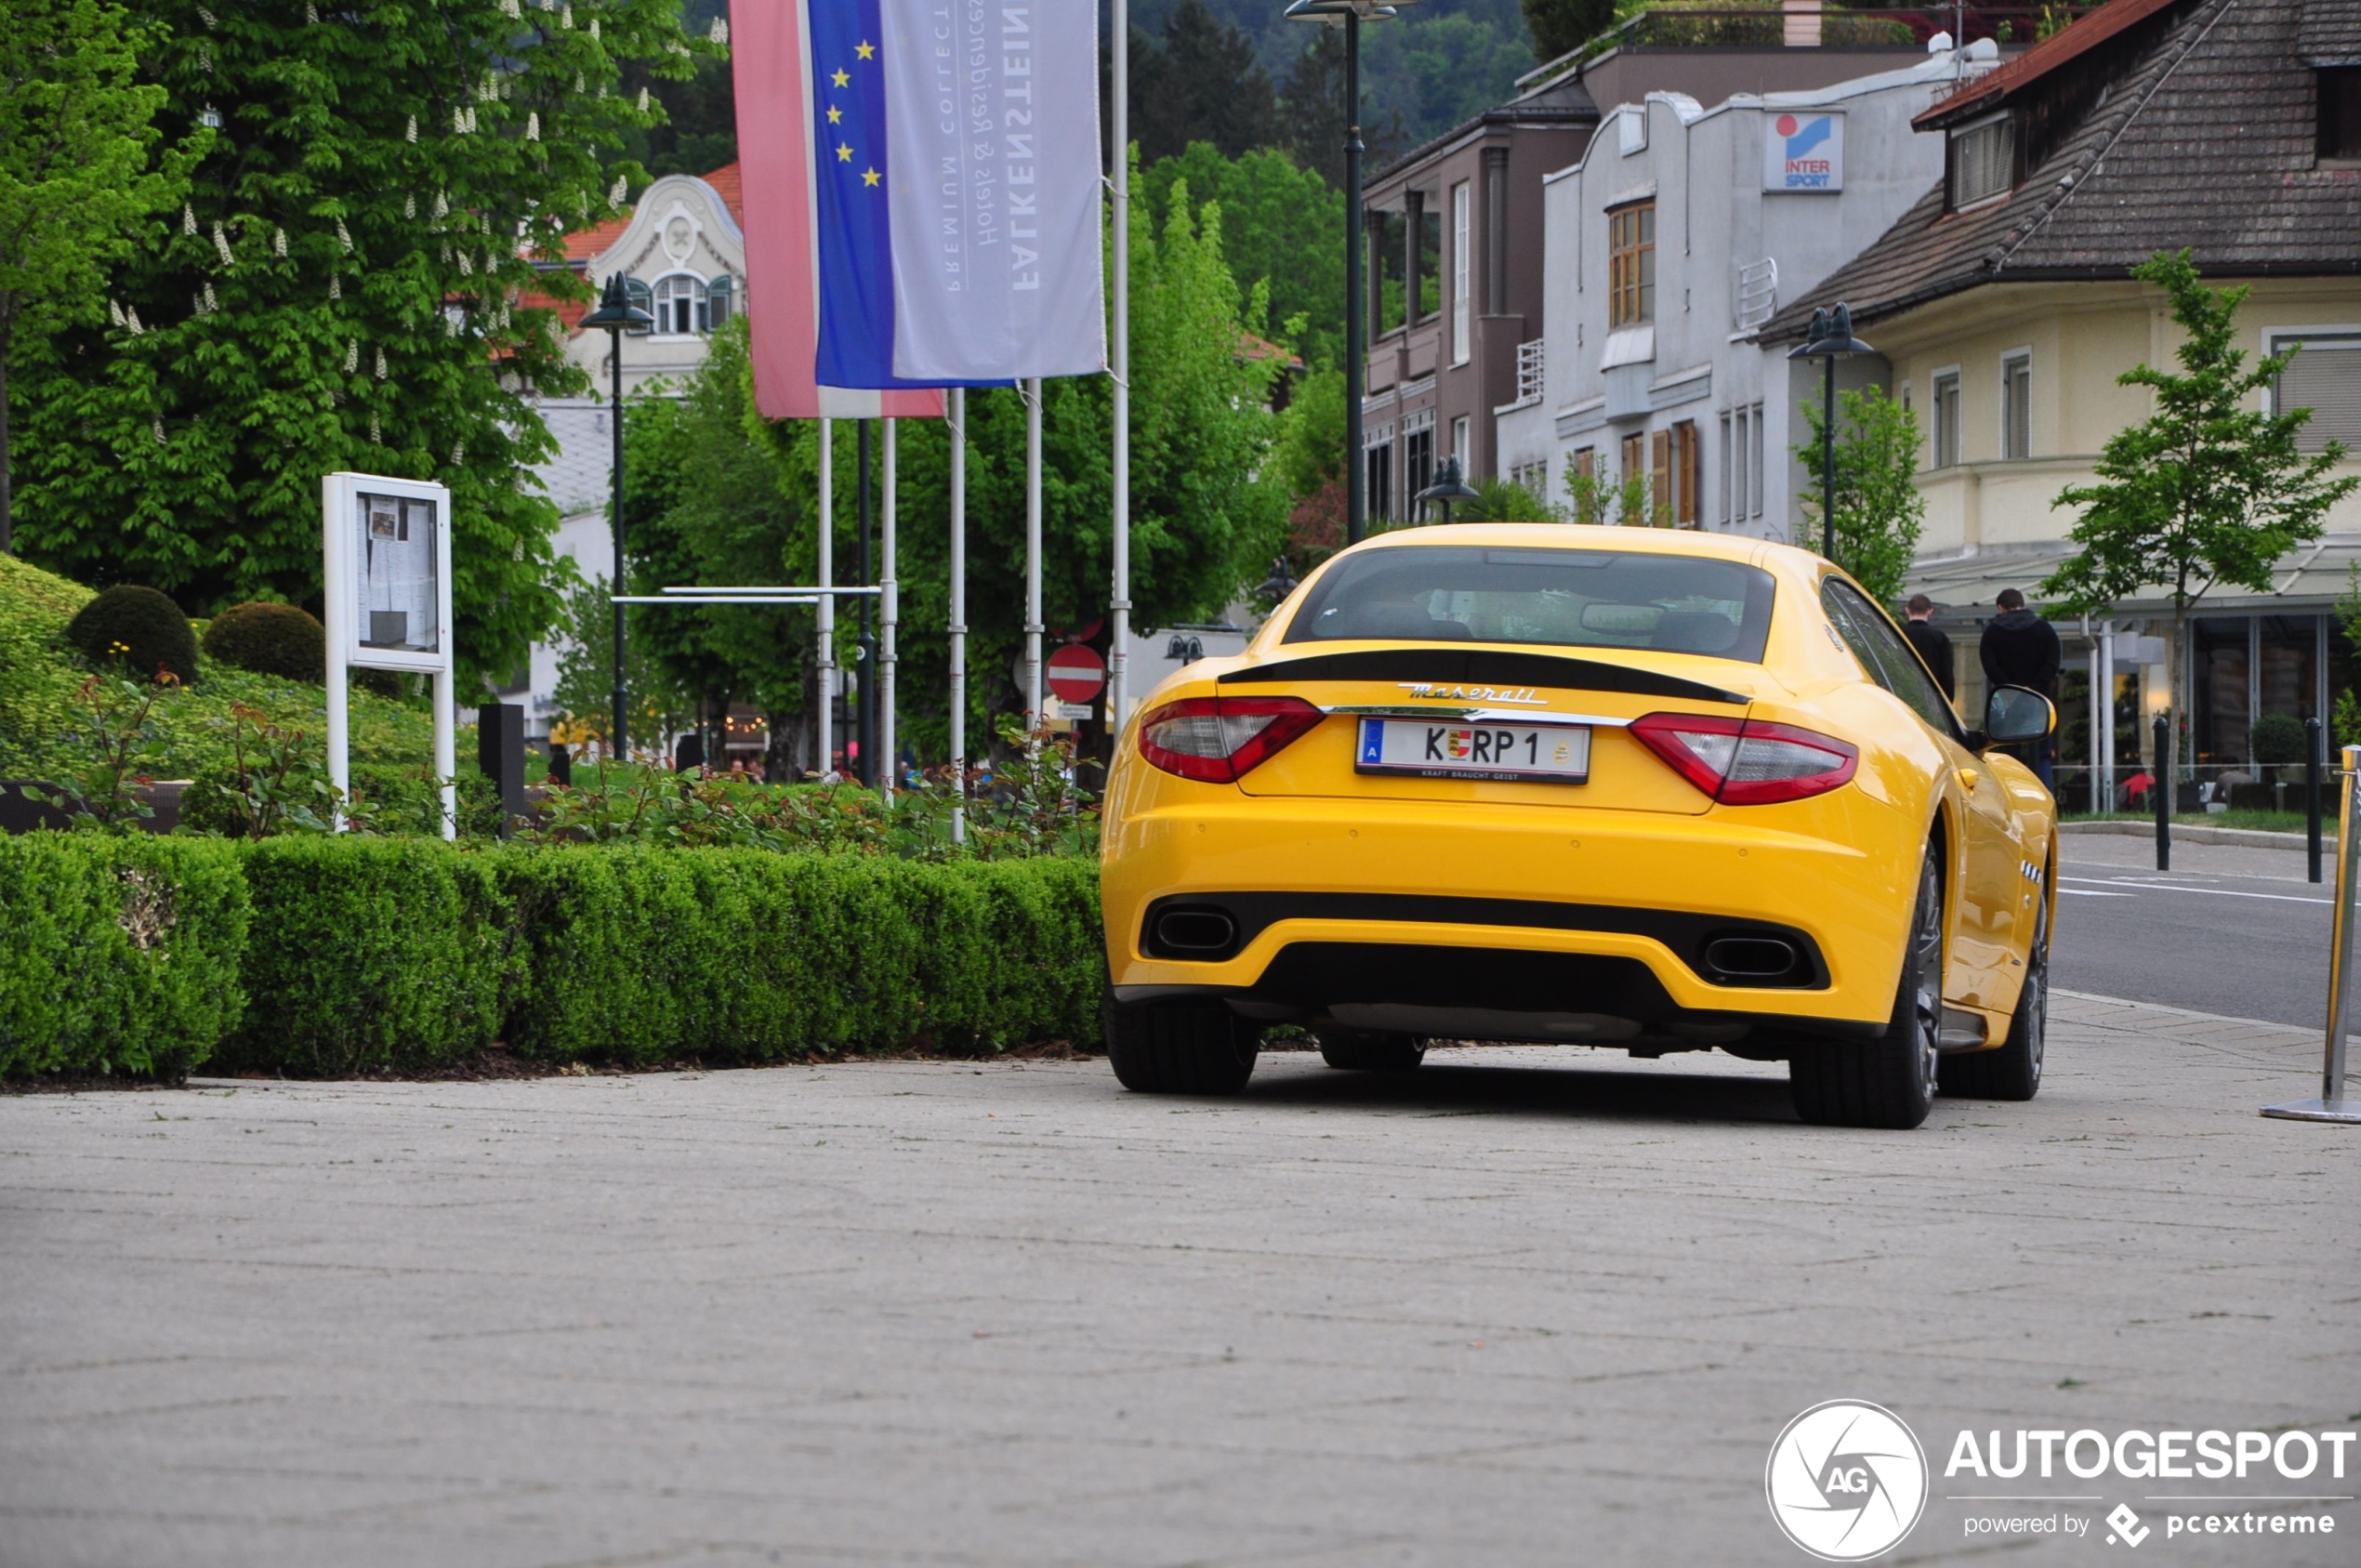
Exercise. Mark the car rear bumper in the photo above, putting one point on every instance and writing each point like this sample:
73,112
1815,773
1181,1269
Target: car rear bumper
1335,903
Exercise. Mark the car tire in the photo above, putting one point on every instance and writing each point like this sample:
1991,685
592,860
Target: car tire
1362,1050
1888,1082
2013,1070
1180,1047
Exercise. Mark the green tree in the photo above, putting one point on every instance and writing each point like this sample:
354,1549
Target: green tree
657,704
1281,227
1200,82
1560,27
2209,489
1880,510
344,289
75,188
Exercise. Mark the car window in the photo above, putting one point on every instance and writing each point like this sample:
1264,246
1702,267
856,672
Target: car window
1886,654
1562,598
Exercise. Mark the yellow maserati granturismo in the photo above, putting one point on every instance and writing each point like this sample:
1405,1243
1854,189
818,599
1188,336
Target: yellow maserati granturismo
1626,788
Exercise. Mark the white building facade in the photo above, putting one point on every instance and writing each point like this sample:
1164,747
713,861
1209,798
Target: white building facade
682,253
1679,233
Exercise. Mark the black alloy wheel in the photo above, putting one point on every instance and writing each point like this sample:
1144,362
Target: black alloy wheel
1888,1082
2013,1070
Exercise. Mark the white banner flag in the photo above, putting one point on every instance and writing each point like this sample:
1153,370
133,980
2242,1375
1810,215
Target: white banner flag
991,113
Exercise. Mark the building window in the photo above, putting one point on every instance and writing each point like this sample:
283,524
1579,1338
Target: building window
2016,407
680,300
2325,379
1742,465
2339,93
1418,462
1632,264
1983,160
1946,419
1462,271
1635,465
716,304
639,295
1462,444
1379,497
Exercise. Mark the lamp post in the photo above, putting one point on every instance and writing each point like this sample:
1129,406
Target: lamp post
1831,339
1349,14
617,314
1447,487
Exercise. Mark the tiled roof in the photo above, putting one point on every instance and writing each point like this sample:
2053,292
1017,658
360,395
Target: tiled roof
2067,43
732,190
2330,33
2206,141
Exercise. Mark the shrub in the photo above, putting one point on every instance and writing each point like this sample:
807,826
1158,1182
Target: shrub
117,954
144,626
637,956
2278,739
369,953
270,639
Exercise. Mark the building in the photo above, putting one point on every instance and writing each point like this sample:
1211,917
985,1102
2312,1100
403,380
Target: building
2002,305
1678,233
683,251
1458,302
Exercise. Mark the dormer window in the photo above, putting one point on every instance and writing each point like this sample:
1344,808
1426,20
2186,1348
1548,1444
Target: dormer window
1983,160
2340,94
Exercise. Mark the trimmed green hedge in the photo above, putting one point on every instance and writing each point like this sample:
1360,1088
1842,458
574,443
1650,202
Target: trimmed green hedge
117,954
320,956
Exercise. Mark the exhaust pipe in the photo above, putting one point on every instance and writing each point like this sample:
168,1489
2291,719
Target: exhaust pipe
1751,957
1196,932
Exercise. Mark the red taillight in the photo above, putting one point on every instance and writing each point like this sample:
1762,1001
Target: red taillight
1221,740
1746,761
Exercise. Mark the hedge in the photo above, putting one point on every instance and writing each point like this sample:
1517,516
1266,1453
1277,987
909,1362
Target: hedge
118,954
320,956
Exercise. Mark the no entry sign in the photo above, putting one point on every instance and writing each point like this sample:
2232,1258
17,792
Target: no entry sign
1076,673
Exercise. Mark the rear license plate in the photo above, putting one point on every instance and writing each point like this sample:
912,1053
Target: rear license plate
1539,753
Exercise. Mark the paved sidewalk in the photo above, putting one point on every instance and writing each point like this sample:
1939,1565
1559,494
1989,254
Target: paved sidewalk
1526,1307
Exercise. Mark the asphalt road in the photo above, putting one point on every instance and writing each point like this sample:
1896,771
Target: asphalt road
2228,930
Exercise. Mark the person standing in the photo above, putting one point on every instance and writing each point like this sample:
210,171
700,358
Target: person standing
2021,648
1933,646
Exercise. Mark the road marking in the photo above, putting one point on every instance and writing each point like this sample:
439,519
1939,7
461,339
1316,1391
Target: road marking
2094,893
2175,888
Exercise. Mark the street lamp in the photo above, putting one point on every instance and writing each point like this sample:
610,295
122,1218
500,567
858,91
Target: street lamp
1447,487
617,314
1831,339
1349,14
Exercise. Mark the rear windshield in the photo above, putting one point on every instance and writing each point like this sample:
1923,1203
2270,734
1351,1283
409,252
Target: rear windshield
1565,599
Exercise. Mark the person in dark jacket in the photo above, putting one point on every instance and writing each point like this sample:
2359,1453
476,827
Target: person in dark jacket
1932,644
2021,648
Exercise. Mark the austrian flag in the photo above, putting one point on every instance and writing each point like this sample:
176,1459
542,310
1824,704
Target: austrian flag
922,193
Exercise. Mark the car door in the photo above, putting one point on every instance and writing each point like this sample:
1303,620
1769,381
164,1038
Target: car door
1986,902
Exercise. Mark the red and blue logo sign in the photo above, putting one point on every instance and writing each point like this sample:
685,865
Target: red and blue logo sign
1804,152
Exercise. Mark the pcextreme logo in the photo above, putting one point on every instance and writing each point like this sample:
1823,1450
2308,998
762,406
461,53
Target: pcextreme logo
1846,1480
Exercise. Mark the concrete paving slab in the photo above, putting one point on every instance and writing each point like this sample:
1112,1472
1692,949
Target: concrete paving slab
1523,1307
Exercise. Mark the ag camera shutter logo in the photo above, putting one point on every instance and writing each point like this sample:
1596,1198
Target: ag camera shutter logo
1846,1480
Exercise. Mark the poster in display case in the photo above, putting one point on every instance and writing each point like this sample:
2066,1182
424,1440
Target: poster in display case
386,558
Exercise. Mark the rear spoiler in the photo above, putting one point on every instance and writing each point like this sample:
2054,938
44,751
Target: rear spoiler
1480,667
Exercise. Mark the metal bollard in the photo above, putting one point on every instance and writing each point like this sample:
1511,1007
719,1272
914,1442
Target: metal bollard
2160,797
2314,740
2332,1106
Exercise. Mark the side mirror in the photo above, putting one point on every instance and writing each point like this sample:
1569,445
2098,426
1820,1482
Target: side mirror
2014,714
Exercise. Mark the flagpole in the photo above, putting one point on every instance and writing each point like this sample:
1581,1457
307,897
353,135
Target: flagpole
1119,353
828,602
1033,627
887,617
955,416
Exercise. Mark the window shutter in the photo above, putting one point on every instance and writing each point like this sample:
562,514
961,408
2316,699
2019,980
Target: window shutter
1687,433
1660,478
2325,378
